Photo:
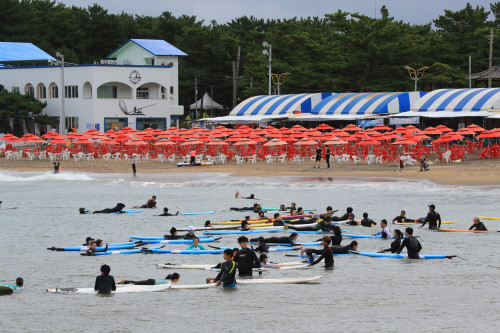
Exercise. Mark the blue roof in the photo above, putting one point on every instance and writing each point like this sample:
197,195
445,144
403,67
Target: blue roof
156,47
10,51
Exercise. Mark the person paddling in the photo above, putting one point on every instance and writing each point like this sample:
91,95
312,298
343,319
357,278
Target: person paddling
169,279
278,240
264,264
166,213
478,225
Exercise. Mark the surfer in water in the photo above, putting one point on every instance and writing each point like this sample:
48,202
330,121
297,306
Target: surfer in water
366,222
396,244
353,246
246,258
344,217
105,283
190,234
478,225
279,240
412,245
117,209
151,203
264,264
93,249
252,196
88,241
244,224
278,221
227,273
325,225
208,224
263,247
169,279
326,254
433,218
166,213
173,234
18,286
256,208
196,244
385,233
403,219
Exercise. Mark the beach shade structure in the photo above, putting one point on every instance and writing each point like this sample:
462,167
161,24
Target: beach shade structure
126,129
298,128
148,130
412,129
10,138
488,135
360,135
288,138
136,142
188,135
147,137
268,128
368,142
122,137
83,142
258,139
110,132
422,136
177,138
217,142
259,131
401,130
431,131
443,128
244,142
91,131
335,142
338,132
324,127
377,136
475,128
273,135
58,141
317,137
98,136
234,138
298,135
164,143
305,142
52,135
449,137
389,136
204,139
108,141
157,132
351,128
466,131
274,143
192,142
217,134
381,127
37,140
404,142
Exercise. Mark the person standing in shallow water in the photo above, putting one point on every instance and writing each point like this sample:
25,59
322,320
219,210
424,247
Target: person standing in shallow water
133,165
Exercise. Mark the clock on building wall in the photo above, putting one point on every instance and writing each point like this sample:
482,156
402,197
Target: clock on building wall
134,76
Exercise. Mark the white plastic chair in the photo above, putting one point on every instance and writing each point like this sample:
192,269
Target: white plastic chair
379,159
356,159
270,159
42,155
171,158
106,157
370,159
161,158
239,159
281,158
336,158
117,156
344,158
447,156
222,158
253,159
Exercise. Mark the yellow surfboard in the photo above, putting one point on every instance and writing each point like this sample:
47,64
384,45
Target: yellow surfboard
444,222
489,218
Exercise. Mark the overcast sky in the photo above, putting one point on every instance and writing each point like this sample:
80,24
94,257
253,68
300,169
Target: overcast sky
412,11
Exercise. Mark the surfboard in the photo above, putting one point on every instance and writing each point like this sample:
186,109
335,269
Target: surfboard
279,210
408,223
143,250
123,211
279,281
199,213
278,249
179,241
120,289
477,231
6,290
186,251
141,238
296,265
240,232
117,246
239,222
216,227
489,217
188,164
400,256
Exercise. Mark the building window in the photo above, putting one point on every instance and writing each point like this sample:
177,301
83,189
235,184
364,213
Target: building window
15,90
54,91
71,122
107,92
42,92
171,90
29,90
143,123
142,93
71,91
163,92
115,124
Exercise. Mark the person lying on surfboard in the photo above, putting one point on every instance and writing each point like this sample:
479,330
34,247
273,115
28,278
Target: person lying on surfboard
325,225
92,249
18,286
117,209
151,203
262,247
256,208
279,240
170,278
402,218
244,224
252,196
173,234
353,246
264,264
478,225
166,213
344,217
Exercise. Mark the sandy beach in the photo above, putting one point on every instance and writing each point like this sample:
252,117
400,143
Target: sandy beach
472,172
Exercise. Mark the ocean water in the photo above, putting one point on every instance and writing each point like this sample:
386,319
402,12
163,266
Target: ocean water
361,294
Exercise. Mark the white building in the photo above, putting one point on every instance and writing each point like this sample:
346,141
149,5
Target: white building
136,86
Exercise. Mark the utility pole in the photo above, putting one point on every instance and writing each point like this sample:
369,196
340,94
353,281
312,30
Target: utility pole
195,98
269,54
211,101
470,72
62,122
490,68
251,83
236,70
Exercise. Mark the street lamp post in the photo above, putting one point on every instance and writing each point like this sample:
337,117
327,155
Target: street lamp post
279,79
416,74
269,55
62,121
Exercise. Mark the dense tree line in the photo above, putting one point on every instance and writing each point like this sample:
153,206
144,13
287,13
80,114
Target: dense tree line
338,52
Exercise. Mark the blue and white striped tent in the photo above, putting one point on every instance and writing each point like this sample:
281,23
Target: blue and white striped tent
445,103
348,106
268,107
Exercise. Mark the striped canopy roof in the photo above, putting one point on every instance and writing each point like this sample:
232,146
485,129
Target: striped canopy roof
273,105
359,105
459,100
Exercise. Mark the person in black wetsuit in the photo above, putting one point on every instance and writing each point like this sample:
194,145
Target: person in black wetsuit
246,258
208,224
170,278
263,247
350,220
478,225
282,207
278,221
244,224
252,196
173,234
329,212
105,283
326,254
190,234
353,246
83,211
396,244
279,240
88,241
337,235
227,273
262,216
166,213
327,156
325,225
117,209
293,206
317,160
344,217
92,249
300,211
433,218
255,208
366,222
403,219
412,245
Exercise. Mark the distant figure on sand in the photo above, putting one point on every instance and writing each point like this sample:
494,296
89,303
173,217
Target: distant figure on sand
133,165
317,161
423,164
56,168
193,157
327,157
